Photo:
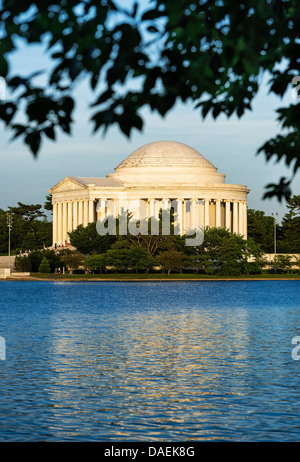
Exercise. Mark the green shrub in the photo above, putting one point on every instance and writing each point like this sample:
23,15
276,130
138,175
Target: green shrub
44,266
22,264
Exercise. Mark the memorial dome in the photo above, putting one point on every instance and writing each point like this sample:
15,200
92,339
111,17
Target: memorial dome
165,154
164,163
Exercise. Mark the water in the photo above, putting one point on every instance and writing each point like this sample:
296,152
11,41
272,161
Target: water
149,361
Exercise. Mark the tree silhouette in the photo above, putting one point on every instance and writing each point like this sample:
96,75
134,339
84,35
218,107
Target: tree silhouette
211,53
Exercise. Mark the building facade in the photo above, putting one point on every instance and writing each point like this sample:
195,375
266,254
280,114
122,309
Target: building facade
154,177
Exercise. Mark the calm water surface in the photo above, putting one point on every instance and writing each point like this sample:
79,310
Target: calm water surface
153,361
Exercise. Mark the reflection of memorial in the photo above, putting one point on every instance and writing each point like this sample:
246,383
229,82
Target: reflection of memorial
154,177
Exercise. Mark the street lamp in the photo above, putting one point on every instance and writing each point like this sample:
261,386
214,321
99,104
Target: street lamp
274,215
9,225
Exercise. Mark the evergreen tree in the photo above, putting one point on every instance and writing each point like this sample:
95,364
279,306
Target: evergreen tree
225,253
30,228
48,203
261,229
3,232
44,266
37,256
290,241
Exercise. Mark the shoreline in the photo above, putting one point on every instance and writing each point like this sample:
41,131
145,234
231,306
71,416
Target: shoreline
149,279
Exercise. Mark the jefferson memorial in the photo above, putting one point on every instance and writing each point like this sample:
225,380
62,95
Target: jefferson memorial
154,177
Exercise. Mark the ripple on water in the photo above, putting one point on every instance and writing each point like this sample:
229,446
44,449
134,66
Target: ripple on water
149,361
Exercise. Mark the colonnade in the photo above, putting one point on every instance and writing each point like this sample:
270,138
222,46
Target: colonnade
68,215
189,213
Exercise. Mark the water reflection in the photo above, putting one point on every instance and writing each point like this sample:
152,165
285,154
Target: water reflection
149,362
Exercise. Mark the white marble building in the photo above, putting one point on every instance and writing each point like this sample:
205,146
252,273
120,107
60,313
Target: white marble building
153,177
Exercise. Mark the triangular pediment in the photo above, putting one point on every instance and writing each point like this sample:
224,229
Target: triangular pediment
67,184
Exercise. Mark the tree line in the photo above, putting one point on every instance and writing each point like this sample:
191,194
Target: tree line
287,233
31,229
221,252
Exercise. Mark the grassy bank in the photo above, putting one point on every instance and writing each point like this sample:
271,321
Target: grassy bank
159,276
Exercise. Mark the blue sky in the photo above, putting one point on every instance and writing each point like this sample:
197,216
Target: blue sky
230,144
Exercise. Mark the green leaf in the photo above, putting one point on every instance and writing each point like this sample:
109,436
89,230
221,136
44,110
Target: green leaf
49,131
33,140
3,66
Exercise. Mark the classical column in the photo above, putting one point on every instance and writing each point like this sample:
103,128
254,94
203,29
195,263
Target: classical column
165,204
245,231
187,214
91,211
85,213
218,214
180,216
70,219
135,209
193,214
116,206
241,218
206,212
200,213
103,209
157,208
64,223
111,207
59,223
152,207
166,217
54,224
184,216
75,214
98,210
80,213
227,216
235,217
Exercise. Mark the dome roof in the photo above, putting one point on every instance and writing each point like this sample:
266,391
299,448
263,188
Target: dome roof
166,163
164,154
